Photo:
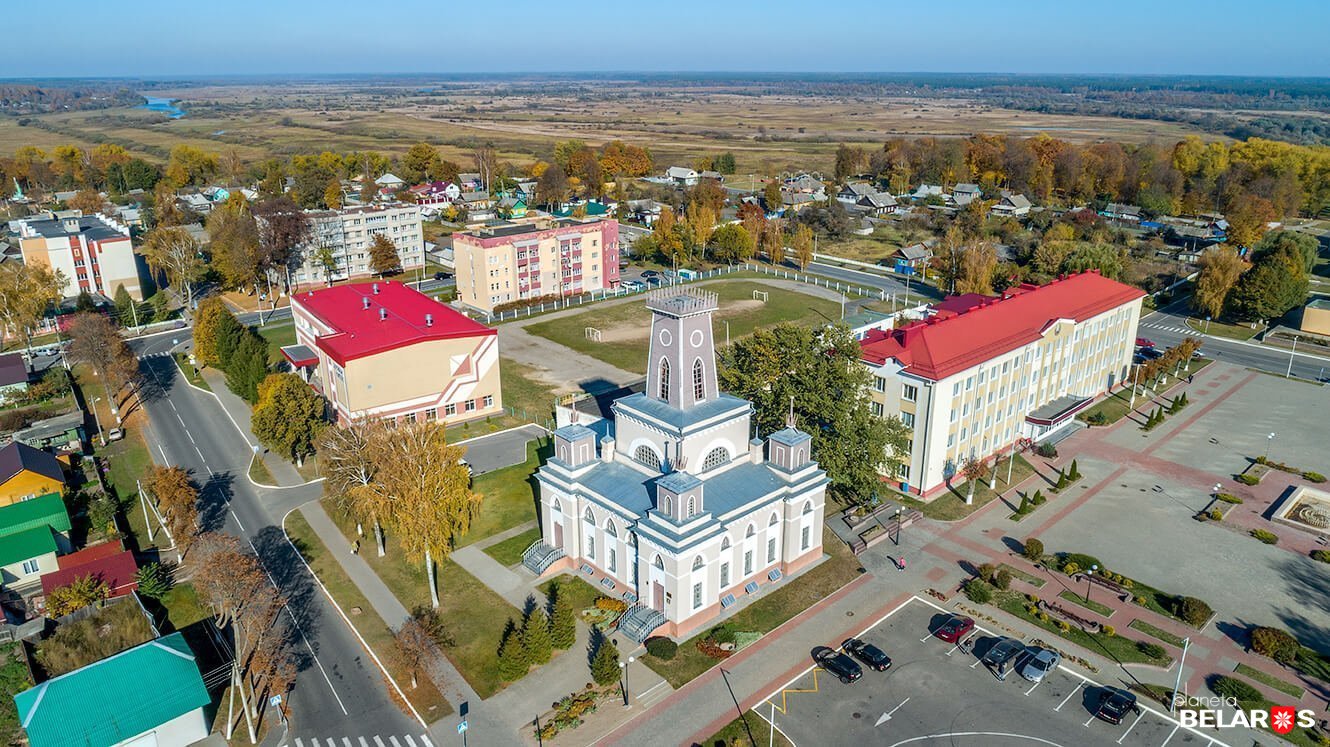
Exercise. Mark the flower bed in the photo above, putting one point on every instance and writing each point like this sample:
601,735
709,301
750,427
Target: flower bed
567,713
1305,474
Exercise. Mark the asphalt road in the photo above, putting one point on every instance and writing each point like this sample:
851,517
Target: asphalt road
1168,326
339,692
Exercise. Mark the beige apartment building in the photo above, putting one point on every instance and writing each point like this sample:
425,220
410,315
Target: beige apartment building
982,373
520,261
94,253
348,234
385,350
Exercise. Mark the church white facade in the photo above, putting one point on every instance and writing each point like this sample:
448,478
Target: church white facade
680,509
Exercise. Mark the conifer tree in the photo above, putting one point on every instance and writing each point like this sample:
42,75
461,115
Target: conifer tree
605,663
563,625
536,637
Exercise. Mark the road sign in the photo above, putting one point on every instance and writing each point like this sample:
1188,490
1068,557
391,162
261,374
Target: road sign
275,701
461,727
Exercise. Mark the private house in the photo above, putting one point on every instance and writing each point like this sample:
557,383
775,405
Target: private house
512,206
712,175
1047,352
806,184
470,182
1120,212
390,182
195,203
645,212
13,376
475,200
680,510
386,350
866,196
94,252
436,193
682,176
61,432
964,193
26,473
912,259
926,191
793,202
1011,204
32,534
108,562
151,694
519,261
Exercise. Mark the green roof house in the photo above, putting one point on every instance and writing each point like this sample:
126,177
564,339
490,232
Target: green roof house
32,533
151,694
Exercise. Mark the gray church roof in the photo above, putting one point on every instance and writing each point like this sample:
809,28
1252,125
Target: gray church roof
789,436
634,493
575,431
682,419
678,482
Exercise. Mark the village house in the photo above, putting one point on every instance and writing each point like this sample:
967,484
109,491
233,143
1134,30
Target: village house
682,176
1011,204
26,473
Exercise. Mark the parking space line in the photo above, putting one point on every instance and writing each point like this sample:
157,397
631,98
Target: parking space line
1074,690
977,662
1032,687
953,649
1170,734
1139,716
1087,721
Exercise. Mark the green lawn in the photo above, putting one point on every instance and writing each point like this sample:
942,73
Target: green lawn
1092,605
183,607
14,679
1028,578
1116,405
736,734
509,496
1223,329
1312,663
1158,634
1116,647
531,398
1288,688
278,336
769,612
509,551
624,327
475,615
189,372
425,697
579,593
951,506
259,472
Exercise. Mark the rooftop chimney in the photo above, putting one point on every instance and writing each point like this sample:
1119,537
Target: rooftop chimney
383,315
71,225
376,289
429,320
365,302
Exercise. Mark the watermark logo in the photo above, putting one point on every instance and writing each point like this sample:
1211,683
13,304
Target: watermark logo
1224,713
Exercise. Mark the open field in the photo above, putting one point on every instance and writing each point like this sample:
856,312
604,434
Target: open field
624,328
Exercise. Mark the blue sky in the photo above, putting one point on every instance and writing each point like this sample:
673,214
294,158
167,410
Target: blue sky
161,37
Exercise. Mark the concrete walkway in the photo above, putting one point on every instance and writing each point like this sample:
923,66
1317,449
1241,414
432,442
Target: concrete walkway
240,413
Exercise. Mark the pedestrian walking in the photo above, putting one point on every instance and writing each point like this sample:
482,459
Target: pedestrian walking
900,563
355,547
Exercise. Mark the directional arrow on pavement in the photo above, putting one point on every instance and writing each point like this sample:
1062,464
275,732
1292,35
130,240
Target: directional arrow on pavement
885,717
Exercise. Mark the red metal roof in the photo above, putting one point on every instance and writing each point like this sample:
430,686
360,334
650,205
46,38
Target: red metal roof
950,342
366,322
116,570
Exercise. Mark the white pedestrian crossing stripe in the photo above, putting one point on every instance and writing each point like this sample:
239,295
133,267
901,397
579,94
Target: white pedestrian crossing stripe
422,740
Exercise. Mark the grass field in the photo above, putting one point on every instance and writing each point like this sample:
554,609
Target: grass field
508,496
579,593
1223,329
1092,605
509,551
951,506
1158,634
625,327
189,372
425,697
475,615
749,730
1115,647
1288,688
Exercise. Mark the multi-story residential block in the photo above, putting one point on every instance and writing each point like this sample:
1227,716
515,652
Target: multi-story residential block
348,234
515,262
389,351
93,252
981,373
683,512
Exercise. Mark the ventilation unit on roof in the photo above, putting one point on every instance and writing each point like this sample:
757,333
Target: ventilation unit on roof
383,315
429,320
376,289
365,302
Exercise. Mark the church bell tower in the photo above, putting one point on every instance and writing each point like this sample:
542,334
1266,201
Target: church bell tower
682,366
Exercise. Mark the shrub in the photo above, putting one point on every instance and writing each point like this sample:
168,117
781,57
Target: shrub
662,648
723,633
79,593
1062,481
1081,560
1216,515
1151,650
978,591
1075,471
1108,630
1071,569
1274,643
1321,555
1002,579
1232,687
1033,549
1097,418
1024,508
1313,476
1039,497
102,510
611,604
1043,617
1265,536
1246,479
153,581
1047,451
1192,611
1261,460
1228,498
1064,626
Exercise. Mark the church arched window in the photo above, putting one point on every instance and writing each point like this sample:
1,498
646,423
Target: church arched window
725,544
699,381
589,517
658,563
692,506
715,458
664,391
775,519
647,456
609,528
697,563
751,531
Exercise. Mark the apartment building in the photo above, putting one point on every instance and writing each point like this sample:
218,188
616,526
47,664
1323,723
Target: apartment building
518,261
94,253
386,350
981,373
348,234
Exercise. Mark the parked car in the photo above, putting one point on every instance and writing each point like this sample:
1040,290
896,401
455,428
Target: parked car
954,628
115,434
1038,662
1197,354
1144,342
1150,353
845,669
872,656
655,280
632,286
999,656
650,274
1115,704
442,275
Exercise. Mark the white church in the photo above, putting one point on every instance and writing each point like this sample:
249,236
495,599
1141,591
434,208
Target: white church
676,509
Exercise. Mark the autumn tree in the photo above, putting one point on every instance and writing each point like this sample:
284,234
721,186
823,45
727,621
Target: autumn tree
771,195
731,243
89,201
978,263
332,194
421,160
26,292
174,253
165,210
849,161
1220,269
210,323
552,186
177,500
802,244
96,342
288,416
190,165
773,243
620,159
426,475
415,644
974,470
383,257
350,456
282,228
234,244
1248,220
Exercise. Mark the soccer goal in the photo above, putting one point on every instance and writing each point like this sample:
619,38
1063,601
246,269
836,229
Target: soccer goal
760,296
592,333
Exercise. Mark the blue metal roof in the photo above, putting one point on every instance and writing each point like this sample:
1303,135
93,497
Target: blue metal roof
789,436
574,432
681,418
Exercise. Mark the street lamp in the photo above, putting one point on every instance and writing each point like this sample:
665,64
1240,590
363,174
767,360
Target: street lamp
1291,351
96,419
623,671
1268,440
1093,570
899,510
1217,488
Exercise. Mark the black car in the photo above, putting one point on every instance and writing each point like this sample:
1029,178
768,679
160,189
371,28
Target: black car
838,664
442,275
872,656
999,656
1151,353
1115,704
649,273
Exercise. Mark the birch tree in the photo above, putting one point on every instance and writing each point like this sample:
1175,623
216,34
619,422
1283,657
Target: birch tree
175,253
350,456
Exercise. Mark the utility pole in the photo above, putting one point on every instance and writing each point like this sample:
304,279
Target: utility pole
1177,686
1289,373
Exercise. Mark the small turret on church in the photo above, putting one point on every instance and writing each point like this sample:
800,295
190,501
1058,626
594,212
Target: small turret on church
681,369
679,497
575,445
789,449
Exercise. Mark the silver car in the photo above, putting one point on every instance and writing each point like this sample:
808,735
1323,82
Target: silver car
1037,662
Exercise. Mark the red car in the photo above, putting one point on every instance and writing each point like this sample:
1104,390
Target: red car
954,628
1144,342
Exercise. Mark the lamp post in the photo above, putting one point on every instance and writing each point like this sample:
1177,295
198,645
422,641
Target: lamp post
1291,351
1093,570
97,419
1268,440
623,671
899,511
1173,701
1217,488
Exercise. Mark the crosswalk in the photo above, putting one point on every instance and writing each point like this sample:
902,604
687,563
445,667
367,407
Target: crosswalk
1168,328
406,740
160,354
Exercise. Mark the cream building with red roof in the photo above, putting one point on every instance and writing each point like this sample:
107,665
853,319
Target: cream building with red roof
982,373
389,351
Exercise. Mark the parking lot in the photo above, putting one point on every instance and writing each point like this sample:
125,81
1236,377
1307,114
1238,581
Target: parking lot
939,693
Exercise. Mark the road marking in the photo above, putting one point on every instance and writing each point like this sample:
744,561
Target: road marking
363,743
1073,692
346,741
953,648
299,743
410,742
949,736
977,662
886,715
787,690
424,739
1170,735
1032,687
770,721
1139,716
378,741
237,518
394,741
